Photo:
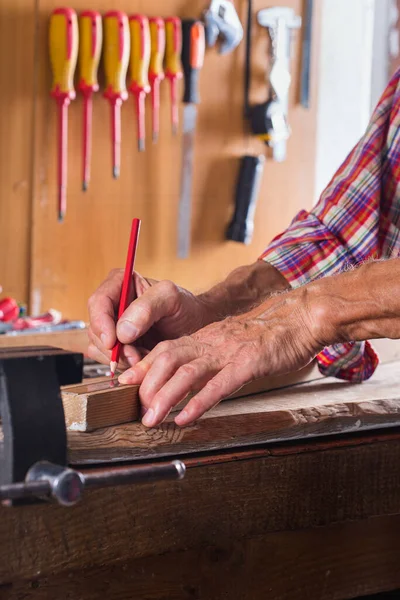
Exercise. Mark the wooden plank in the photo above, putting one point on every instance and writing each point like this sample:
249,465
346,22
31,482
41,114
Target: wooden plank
87,408
326,563
91,405
17,74
323,407
213,506
74,340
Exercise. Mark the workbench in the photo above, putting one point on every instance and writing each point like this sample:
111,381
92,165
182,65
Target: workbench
300,501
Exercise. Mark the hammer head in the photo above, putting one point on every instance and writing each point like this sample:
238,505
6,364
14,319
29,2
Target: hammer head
221,21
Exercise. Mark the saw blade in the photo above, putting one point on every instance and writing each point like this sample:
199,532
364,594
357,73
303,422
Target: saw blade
184,211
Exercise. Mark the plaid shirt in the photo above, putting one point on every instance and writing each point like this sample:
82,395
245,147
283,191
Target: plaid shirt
357,218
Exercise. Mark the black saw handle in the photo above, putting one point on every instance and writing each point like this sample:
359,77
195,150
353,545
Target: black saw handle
241,227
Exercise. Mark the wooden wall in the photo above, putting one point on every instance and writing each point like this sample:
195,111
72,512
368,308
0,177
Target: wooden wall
59,265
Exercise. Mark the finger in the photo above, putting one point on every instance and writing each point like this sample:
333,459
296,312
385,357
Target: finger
103,306
158,301
142,283
95,354
137,374
162,369
129,356
226,382
189,377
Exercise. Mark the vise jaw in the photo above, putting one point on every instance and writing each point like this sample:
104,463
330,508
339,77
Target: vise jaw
33,439
31,410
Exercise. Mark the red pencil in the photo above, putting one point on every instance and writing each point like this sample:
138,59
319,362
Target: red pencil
128,291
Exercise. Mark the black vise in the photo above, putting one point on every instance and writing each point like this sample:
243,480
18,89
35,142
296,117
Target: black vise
32,424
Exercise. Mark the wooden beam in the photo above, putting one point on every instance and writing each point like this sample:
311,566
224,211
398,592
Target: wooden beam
323,407
101,403
91,405
217,506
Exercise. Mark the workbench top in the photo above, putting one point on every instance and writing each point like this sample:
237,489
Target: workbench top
315,408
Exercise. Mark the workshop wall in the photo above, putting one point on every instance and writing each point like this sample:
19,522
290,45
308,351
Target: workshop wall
59,265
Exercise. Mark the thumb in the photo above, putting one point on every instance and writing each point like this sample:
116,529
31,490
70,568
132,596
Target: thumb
157,302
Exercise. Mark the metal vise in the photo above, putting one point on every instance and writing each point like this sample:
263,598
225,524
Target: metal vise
33,440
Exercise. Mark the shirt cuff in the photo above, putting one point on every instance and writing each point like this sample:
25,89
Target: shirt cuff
306,251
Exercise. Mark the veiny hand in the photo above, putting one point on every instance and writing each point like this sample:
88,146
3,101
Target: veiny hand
277,337
161,311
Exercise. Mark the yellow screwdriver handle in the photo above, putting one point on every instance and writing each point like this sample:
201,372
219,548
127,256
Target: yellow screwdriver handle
140,53
90,42
173,50
157,36
63,42
116,54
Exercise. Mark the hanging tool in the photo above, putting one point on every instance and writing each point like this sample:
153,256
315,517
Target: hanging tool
90,41
116,59
221,21
156,73
193,48
241,227
306,55
173,50
63,42
139,67
269,120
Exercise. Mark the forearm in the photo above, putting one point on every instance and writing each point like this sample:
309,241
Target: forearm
245,287
358,305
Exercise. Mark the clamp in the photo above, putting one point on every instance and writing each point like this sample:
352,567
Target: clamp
221,21
33,440
269,120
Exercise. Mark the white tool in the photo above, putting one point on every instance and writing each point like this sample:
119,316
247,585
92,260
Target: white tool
280,22
221,21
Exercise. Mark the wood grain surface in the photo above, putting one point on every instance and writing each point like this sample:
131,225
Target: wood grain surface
101,402
234,515
17,74
74,340
327,563
323,407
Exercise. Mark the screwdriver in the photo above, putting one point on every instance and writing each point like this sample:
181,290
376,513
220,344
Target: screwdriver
156,73
63,42
116,59
193,48
90,40
139,67
173,29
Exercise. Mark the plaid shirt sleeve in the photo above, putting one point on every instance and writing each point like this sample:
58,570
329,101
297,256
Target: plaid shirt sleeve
357,218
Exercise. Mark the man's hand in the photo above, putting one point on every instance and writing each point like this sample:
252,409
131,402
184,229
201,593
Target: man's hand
161,311
164,311
275,338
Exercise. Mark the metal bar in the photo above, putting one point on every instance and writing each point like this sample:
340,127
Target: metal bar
147,474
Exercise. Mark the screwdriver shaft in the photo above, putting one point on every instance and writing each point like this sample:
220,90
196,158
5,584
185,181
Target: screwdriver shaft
116,136
62,157
87,138
155,105
174,105
140,108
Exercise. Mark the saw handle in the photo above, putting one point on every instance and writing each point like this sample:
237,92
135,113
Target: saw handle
193,49
241,227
